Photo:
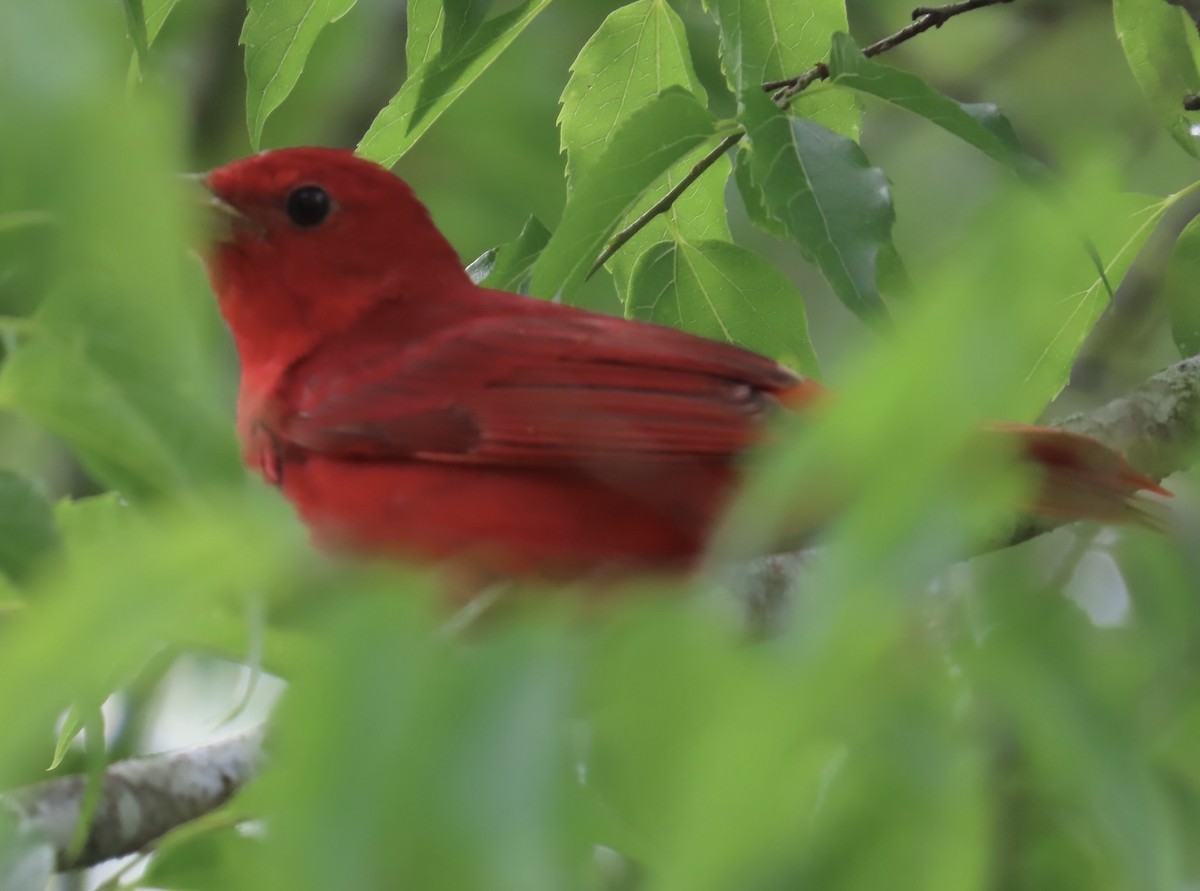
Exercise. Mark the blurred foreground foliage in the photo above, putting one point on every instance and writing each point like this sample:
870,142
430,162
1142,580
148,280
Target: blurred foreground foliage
1030,719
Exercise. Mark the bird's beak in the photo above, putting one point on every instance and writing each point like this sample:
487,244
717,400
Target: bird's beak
222,216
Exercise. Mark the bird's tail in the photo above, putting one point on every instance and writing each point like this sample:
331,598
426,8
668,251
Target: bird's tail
1083,479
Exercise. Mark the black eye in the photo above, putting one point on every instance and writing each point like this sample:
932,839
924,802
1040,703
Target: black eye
308,206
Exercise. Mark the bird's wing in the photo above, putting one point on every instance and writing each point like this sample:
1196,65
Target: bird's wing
531,388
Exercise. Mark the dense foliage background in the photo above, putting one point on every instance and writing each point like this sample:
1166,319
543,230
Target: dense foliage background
1029,719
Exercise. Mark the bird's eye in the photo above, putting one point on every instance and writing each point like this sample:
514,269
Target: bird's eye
308,206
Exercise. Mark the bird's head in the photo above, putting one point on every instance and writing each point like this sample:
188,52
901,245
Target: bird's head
310,239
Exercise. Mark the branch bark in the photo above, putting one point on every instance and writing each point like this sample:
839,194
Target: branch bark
141,799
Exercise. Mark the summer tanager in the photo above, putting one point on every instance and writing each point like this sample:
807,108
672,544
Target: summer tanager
406,411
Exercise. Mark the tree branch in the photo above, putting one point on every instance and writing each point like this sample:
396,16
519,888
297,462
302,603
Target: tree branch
141,800
925,19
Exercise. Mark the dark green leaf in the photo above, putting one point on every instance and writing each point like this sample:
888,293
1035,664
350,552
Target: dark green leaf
982,126
278,36
1152,34
650,142
507,268
821,187
431,89
720,290
27,529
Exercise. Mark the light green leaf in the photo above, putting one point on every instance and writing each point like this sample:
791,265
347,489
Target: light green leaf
821,187
720,290
278,35
1152,34
770,40
72,726
27,530
636,53
156,16
507,267
650,142
980,125
431,89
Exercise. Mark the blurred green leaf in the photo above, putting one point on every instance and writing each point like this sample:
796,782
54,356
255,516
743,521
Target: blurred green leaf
72,726
980,125
1152,34
278,35
135,16
507,267
217,855
720,290
821,187
468,749
662,131
1183,290
156,16
431,89
27,530
773,40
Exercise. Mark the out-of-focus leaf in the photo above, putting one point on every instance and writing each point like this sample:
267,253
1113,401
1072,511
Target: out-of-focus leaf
27,529
72,726
507,267
821,187
1183,290
469,749
135,16
650,142
217,856
774,40
720,290
431,89
278,35
1152,34
156,16
980,125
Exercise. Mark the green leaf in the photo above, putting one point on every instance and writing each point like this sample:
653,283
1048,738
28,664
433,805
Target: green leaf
205,856
431,89
27,529
821,187
650,142
72,726
278,35
637,52
1183,297
720,290
135,18
507,268
156,16
1152,34
773,40
440,27
980,125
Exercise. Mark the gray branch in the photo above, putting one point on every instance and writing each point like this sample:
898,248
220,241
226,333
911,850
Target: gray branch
141,800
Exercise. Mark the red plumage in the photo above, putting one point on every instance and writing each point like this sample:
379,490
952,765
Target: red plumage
406,411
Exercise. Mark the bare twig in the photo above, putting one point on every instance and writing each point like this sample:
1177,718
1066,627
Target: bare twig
783,91
141,800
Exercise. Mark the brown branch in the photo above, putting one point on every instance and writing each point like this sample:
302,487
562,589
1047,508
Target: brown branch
783,91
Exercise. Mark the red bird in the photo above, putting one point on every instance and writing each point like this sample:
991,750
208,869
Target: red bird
406,411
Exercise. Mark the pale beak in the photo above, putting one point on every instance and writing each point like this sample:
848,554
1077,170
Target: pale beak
222,216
